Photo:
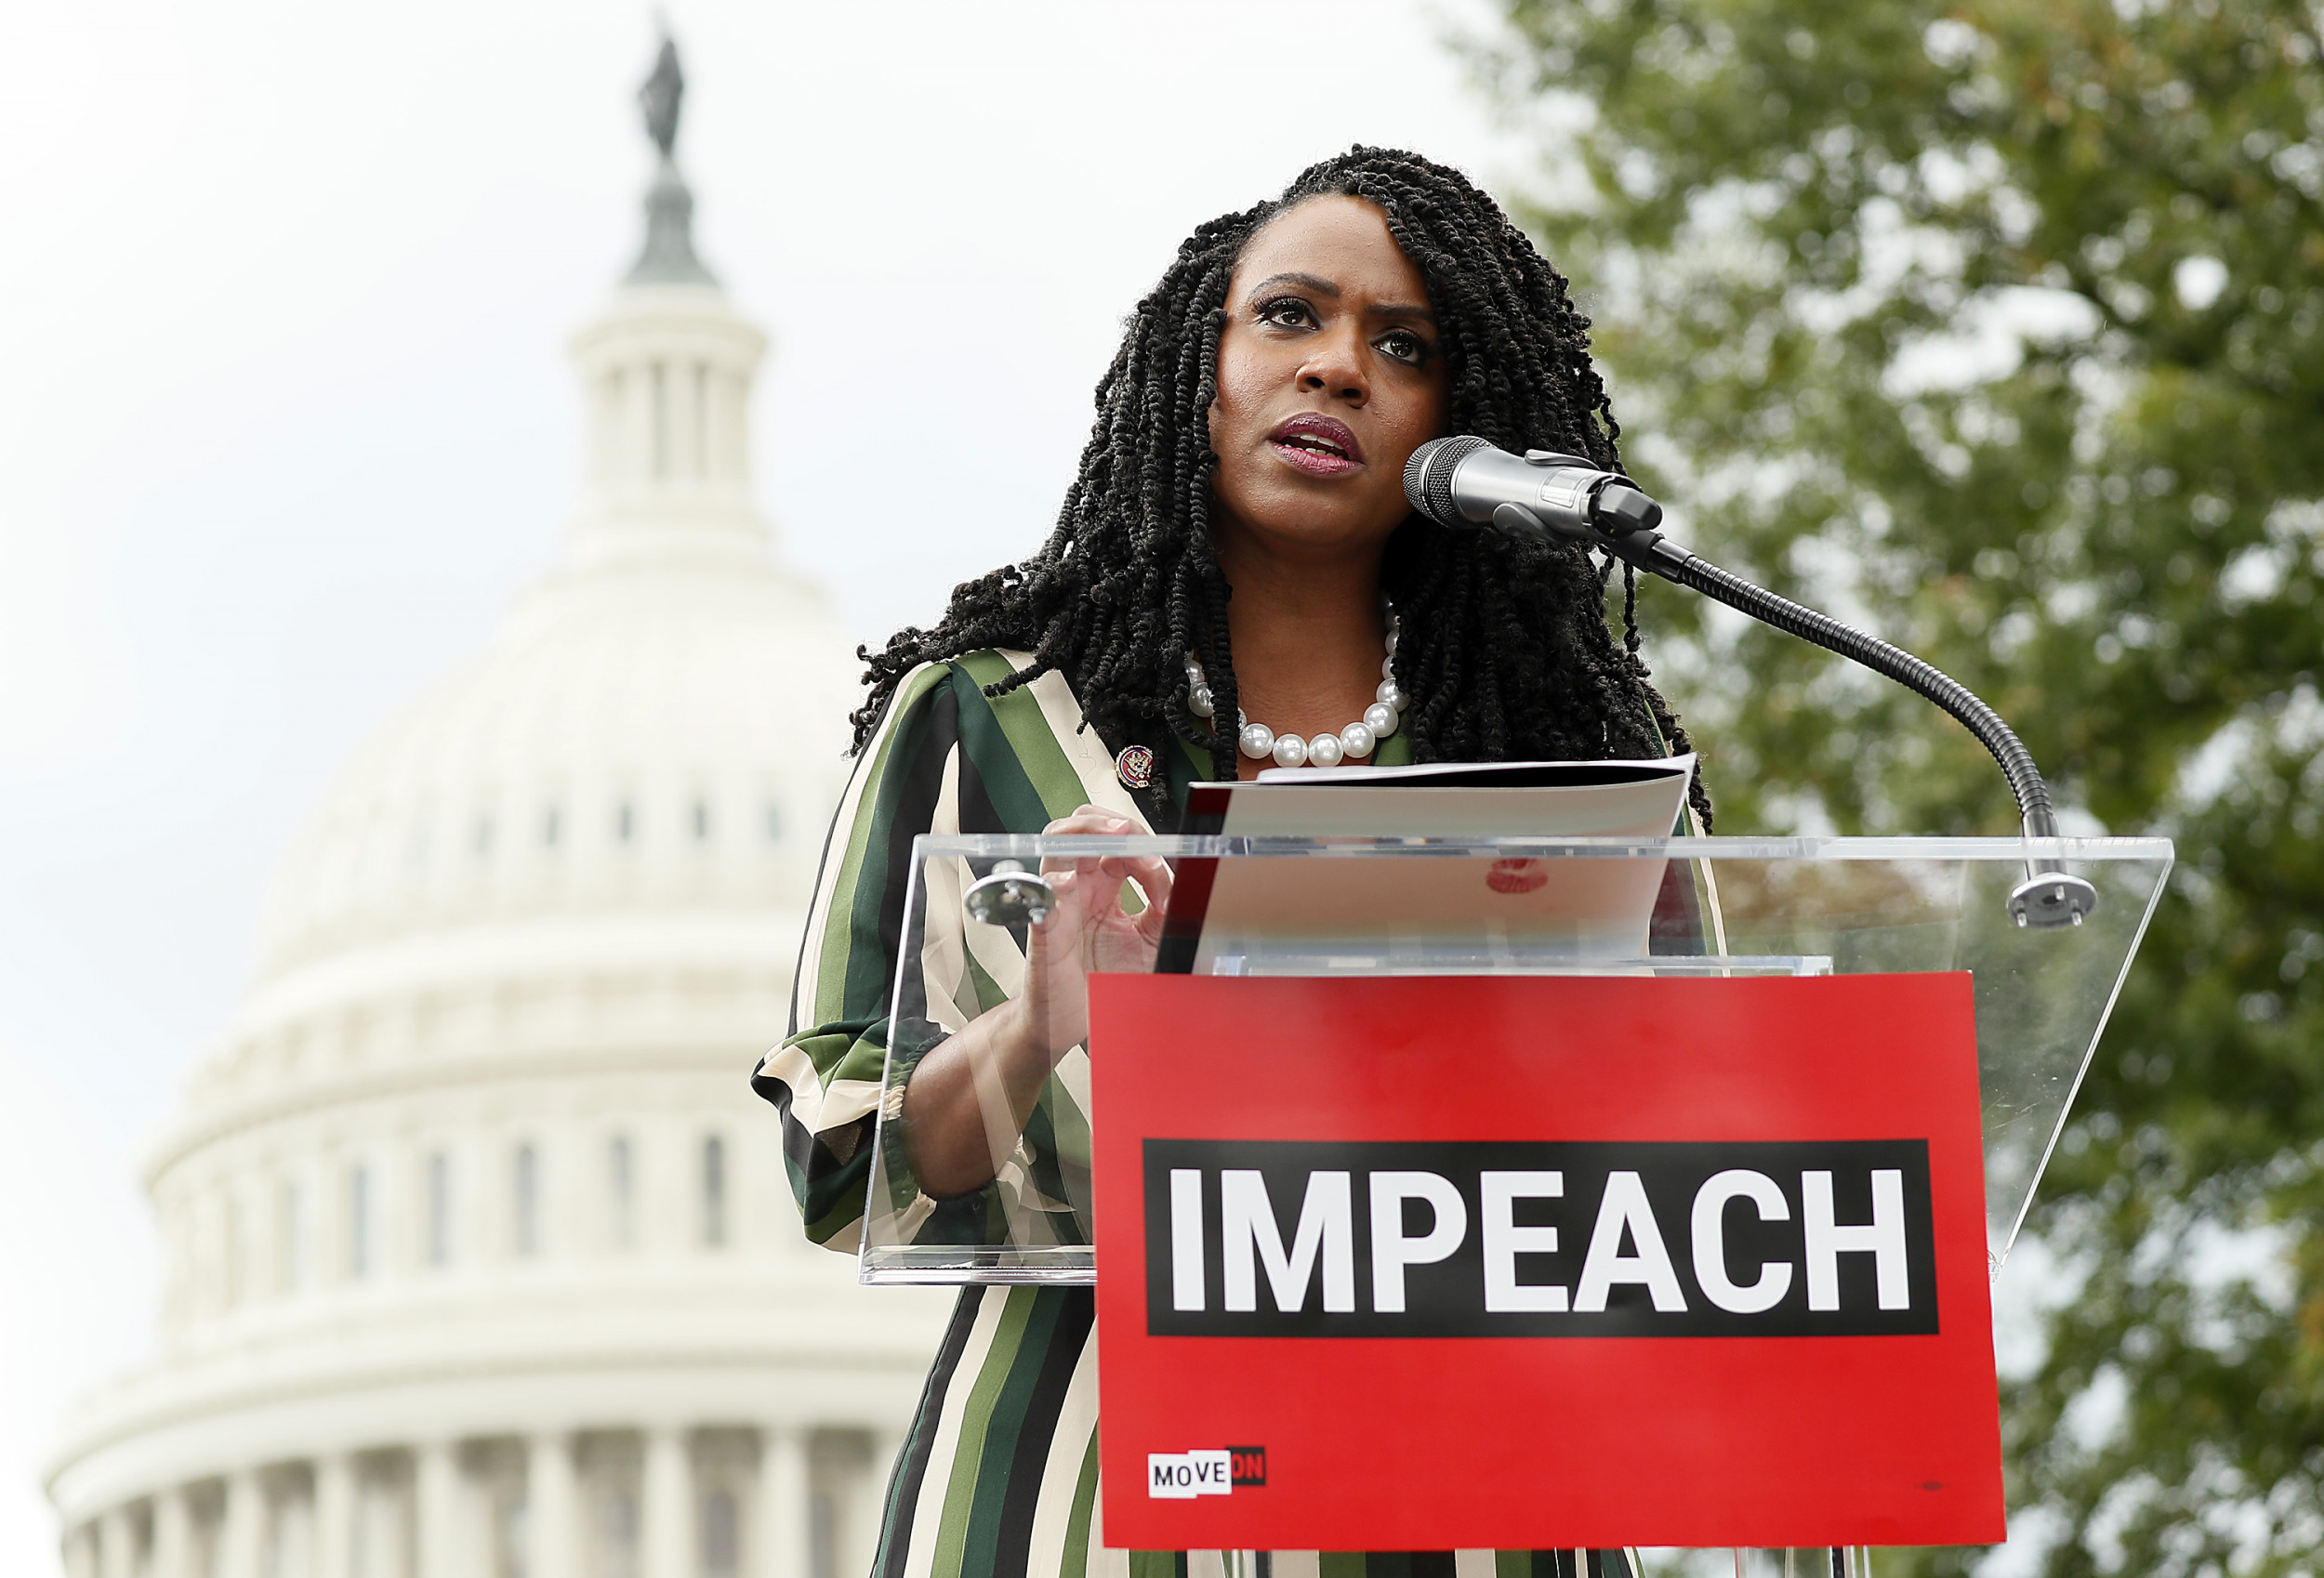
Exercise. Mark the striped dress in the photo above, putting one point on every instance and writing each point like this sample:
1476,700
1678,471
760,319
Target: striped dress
998,1475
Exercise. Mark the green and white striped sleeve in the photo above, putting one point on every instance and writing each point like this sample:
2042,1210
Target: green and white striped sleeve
946,758
824,1079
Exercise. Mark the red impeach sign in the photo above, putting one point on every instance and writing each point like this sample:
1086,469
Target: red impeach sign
1428,1264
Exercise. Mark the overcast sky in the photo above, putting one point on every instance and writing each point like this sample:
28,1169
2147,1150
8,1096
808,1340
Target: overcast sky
285,419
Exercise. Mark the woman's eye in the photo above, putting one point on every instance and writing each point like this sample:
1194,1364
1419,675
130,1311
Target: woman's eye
1288,313
1403,345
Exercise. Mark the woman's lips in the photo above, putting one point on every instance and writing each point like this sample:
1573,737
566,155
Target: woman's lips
1317,445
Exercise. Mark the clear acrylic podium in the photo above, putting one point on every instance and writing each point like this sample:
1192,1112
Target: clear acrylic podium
1468,907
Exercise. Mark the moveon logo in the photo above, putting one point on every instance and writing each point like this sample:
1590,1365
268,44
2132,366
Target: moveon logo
1552,1238
1182,1476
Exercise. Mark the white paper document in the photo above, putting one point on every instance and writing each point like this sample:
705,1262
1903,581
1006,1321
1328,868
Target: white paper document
1249,913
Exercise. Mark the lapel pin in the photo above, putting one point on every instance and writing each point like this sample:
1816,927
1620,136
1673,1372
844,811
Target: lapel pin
1134,767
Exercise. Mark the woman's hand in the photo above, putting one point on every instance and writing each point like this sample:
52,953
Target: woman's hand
1089,929
969,1099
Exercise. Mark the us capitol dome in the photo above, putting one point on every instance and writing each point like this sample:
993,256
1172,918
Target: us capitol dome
481,1258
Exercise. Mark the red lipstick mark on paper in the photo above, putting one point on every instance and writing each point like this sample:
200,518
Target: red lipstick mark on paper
1515,876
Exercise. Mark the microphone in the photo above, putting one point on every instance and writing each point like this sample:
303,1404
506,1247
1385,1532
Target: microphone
1464,483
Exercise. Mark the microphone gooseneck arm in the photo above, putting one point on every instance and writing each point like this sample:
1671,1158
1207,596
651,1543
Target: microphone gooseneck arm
1674,563
1567,497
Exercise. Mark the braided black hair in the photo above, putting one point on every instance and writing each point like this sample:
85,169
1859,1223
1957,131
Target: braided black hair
1506,649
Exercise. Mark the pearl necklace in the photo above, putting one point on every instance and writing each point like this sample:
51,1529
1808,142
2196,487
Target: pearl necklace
1259,742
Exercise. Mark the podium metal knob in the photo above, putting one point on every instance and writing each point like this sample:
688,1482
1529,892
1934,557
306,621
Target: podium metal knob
1009,896
2052,898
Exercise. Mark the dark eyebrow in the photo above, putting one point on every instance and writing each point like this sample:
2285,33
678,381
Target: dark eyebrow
1311,284
1315,284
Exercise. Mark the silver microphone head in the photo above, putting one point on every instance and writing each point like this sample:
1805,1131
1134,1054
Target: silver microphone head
1428,475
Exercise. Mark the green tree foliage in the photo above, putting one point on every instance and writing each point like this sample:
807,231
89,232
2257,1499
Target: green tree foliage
1998,325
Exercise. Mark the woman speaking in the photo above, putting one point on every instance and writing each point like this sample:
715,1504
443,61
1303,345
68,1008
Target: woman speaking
1236,582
